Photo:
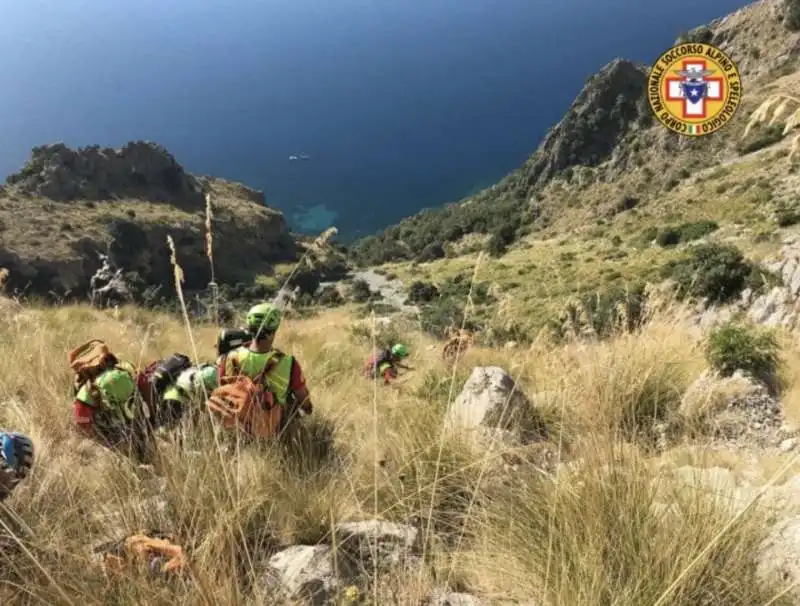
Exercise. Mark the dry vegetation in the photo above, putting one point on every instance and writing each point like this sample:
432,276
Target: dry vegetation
607,528
594,537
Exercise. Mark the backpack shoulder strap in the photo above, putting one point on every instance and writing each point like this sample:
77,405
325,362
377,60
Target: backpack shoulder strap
268,364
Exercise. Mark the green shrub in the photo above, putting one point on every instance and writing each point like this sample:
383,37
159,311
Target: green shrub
753,350
717,272
485,214
307,280
626,203
502,236
329,296
787,217
446,313
496,247
431,252
686,232
461,285
697,229
669,236
360,291
422,292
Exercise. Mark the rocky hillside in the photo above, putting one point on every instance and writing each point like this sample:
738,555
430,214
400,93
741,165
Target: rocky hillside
605,148
612,204
67,205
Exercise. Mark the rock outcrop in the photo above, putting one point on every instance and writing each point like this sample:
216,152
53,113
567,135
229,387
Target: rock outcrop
108,285
139,169
305,572
611,103
364,546
317,573
124,203
777,306
778,560
736,409
780,306
450,598
491,400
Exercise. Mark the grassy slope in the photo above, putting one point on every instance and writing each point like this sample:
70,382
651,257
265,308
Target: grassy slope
593,539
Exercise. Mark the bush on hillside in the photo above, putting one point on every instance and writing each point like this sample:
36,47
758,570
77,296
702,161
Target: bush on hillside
501,238
412,236
669,236
626,203
461,286
697,229
752,350
786,217
431,252
330,296
715,272
447,313
686,232
306,279
360,291
248,292
422,292
377,250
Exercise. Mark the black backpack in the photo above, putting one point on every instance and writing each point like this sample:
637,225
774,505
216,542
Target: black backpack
161,374
231,338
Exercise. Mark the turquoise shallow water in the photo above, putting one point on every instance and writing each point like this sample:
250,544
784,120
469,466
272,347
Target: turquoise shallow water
400,104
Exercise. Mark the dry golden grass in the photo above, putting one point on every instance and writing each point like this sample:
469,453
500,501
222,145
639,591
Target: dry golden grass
596,537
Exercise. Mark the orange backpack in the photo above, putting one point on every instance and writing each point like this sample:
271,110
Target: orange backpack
242,403
157,551
89,360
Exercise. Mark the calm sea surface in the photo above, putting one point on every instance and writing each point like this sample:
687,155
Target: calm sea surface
399,104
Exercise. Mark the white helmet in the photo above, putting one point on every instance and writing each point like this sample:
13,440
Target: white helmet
186,380
194,379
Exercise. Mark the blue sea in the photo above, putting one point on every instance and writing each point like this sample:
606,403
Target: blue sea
398,104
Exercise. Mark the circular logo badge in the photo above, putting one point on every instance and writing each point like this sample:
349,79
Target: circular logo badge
694,89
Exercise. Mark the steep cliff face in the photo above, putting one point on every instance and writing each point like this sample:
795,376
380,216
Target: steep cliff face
606,150
66,205
611,104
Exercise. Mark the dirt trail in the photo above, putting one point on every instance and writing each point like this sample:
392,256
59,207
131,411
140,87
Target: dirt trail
393,291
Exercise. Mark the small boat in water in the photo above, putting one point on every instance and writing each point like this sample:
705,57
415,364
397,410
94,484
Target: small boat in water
299,157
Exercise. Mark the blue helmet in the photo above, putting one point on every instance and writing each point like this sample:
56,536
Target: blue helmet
17,451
